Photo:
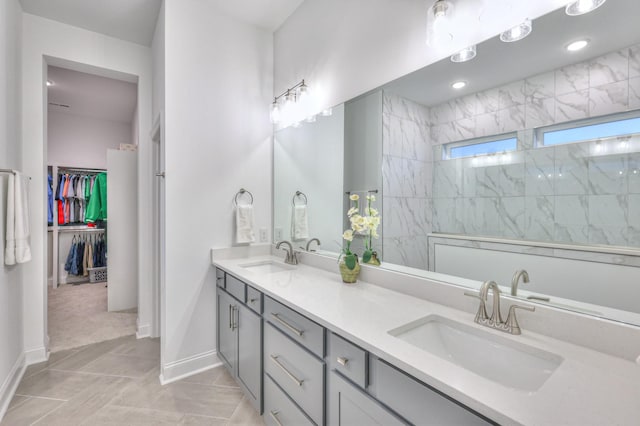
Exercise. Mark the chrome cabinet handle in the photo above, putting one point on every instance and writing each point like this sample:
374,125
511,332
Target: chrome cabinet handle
234,318
298,382
286,324
274,416
160,174
342,361
230,317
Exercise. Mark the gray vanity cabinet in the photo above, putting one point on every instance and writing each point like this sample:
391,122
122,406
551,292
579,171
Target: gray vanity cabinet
350,405
227,337
239,338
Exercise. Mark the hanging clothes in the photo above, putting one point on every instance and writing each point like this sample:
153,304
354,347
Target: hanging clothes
50,200
97,208
73,194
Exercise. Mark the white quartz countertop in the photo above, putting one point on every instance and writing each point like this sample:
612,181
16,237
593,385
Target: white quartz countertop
588,388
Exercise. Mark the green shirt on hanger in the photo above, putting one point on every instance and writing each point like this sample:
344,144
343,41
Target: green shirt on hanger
97,208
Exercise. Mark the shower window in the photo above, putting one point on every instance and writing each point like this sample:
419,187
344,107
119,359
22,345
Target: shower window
601,128
480,146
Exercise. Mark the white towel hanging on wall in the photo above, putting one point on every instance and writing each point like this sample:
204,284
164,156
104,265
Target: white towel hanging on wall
244,224
17,249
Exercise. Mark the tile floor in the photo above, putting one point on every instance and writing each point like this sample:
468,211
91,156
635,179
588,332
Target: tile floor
77,316
116,383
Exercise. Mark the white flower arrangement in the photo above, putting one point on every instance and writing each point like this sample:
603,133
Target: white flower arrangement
366,225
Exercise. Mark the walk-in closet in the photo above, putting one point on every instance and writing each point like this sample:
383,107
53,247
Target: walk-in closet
92,208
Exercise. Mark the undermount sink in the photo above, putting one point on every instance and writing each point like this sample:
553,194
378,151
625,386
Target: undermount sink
267,267
493,357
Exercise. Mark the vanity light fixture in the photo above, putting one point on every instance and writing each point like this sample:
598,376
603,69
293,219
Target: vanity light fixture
518,32
466,54
284,102
577,45
458,84
580,7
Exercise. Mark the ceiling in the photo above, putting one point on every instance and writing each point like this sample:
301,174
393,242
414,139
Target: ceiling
131,20
610,27
91,96
266,14
135,20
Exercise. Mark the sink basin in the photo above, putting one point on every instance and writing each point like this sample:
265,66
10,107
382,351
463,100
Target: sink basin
493,357
267,267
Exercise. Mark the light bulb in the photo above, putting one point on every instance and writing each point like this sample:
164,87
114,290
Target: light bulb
458,84
518,32
327,112
466,54
580,7
577,45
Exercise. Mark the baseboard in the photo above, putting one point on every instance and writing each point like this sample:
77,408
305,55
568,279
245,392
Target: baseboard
186,367
34,356
8,388
143,331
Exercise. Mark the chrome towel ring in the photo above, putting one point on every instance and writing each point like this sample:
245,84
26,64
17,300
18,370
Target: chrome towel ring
240,193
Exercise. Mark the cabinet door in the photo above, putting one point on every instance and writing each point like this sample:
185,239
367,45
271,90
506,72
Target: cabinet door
227,336
250,354
348,405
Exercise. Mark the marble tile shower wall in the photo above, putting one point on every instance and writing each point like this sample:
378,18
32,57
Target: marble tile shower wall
604,85
569,193
407,181
575,193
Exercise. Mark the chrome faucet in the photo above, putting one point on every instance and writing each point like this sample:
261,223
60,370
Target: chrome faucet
495,321
290,257
309,243
516,278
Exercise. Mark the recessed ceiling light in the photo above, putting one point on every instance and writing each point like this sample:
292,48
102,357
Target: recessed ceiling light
577,45
459,84
466,54
580,7
518,32
49,83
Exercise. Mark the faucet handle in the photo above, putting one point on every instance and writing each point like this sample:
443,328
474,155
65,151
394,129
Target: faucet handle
512,322
481,315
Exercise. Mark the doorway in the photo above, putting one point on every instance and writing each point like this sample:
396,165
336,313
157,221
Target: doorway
91,146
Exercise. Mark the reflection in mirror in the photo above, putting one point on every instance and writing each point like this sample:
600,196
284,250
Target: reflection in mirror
310,159
534,165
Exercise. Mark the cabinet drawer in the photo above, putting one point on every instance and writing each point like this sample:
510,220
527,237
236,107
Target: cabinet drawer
296,371
235,287
415,401
279,410
299,328
348,359
254,300
220,278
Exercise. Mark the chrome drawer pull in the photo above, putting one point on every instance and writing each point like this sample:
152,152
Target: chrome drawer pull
342,361
274,416
286,324
230,317
287,372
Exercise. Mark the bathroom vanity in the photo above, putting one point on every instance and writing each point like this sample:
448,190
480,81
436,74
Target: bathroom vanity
308,349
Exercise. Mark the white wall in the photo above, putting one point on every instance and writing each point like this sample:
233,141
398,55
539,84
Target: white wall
345,48
79,141
157,53
11,343
49,42
218,139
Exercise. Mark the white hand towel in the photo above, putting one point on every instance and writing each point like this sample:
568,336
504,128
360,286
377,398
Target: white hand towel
244,224
299,223
17,249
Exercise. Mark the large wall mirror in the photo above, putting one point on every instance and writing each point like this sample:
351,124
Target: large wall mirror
534,164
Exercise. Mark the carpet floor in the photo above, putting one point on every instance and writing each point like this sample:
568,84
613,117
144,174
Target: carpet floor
78,316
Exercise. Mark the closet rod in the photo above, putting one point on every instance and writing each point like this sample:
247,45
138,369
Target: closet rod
11,171
62,230
75,169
